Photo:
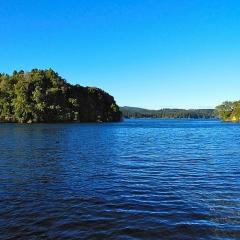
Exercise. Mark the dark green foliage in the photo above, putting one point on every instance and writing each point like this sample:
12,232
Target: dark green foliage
131,112
43,96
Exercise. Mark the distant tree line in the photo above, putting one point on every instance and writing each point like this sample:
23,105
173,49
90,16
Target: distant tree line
131,112
44,96
229,111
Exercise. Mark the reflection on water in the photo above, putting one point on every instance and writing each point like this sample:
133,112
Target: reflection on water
139,179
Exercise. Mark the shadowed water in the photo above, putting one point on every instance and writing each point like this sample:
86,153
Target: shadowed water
139,179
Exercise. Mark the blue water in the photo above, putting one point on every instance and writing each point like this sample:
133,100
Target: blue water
138,179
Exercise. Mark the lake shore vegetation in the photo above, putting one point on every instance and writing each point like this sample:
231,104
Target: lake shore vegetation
229,111
44,96
132,112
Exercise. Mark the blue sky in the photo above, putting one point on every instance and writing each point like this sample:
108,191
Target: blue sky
146,53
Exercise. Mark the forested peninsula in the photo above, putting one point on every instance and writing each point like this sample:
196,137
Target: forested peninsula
229,111
42,96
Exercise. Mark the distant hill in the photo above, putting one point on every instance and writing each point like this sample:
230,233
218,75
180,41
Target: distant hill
134,112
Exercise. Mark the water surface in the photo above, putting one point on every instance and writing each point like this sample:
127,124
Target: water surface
138,179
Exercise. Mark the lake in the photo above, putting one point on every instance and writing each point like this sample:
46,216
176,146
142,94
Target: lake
137,179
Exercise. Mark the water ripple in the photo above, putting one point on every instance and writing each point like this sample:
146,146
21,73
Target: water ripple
139,179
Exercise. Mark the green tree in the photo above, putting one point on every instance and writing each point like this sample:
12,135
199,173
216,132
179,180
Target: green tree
44,96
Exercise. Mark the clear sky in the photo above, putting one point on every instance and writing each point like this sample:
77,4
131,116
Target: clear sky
146,53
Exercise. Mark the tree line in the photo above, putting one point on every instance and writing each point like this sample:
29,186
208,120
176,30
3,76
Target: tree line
44,96
131,112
